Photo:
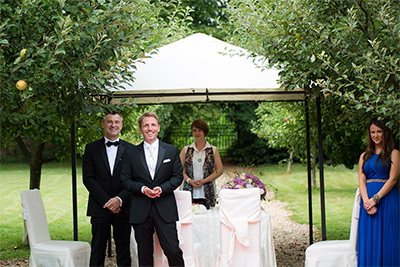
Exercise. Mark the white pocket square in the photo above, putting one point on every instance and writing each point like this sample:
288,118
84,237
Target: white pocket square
166,160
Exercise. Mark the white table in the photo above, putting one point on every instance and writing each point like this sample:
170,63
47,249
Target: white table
206,240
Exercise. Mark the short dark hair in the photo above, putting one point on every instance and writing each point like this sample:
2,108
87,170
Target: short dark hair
148,114
202,125
112,113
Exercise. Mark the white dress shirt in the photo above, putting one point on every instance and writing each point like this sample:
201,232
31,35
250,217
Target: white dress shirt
111,153
151,154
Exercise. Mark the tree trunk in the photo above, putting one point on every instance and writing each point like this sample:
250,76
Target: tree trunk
289,166
313,166
36,172
35,161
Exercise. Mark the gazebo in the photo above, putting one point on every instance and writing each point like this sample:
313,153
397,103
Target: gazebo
203,69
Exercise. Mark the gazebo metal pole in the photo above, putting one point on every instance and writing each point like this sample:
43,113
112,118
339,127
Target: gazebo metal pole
321,168
74,195
310,219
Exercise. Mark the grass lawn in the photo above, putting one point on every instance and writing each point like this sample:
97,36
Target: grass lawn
340,187
56,190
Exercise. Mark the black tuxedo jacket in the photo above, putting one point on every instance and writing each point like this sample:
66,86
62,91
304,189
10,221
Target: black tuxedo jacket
98,179
168,176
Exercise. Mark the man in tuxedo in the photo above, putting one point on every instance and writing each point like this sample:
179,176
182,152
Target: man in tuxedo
109,204
151,175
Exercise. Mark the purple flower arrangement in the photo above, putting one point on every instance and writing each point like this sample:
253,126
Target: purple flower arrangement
240,181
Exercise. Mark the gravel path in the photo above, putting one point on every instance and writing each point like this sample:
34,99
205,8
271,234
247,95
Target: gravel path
290,239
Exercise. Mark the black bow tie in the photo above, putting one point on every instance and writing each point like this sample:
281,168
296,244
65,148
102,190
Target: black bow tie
109,143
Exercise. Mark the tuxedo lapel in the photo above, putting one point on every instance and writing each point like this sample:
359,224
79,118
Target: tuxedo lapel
161,152
142,158
120,150
102,149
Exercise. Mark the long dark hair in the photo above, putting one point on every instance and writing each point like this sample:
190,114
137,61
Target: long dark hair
387,144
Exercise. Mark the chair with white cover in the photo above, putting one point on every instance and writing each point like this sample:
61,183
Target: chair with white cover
337,252
185,231
44,251
240,227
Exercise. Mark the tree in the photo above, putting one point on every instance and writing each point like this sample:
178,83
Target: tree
343,51
69,53
182,115
249,148
282,125
206,15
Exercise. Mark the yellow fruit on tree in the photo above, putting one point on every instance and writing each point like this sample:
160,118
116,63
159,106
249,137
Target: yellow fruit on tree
22,53
21,85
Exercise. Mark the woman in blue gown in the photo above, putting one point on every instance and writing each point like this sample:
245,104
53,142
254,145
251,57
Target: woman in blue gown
379,222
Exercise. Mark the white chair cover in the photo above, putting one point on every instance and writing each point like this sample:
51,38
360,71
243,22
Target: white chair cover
160,260
185,231
268,258
337,252
133,249
240,227
46,252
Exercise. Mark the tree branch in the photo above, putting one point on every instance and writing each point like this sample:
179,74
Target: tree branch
49,159
368,19
23,149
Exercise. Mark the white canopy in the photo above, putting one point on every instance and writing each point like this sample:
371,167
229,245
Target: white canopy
200,68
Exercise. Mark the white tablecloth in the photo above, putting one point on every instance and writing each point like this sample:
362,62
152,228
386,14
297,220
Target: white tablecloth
206,239
206,233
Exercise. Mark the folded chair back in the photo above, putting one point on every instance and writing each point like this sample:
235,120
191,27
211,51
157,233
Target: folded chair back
34,214
44,251
332,253
354,220
240,227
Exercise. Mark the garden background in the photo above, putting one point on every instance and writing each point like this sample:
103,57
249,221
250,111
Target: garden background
70,53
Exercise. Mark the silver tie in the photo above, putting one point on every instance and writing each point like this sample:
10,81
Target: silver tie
152,161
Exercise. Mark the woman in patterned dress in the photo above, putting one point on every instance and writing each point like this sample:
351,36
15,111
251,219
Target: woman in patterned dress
201,166
379,222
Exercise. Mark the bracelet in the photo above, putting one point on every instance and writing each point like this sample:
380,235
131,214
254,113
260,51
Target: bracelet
187,181
376,198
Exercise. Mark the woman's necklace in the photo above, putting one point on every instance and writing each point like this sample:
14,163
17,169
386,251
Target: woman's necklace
200,159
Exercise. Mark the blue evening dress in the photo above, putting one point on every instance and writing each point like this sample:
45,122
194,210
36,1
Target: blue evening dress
379,234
